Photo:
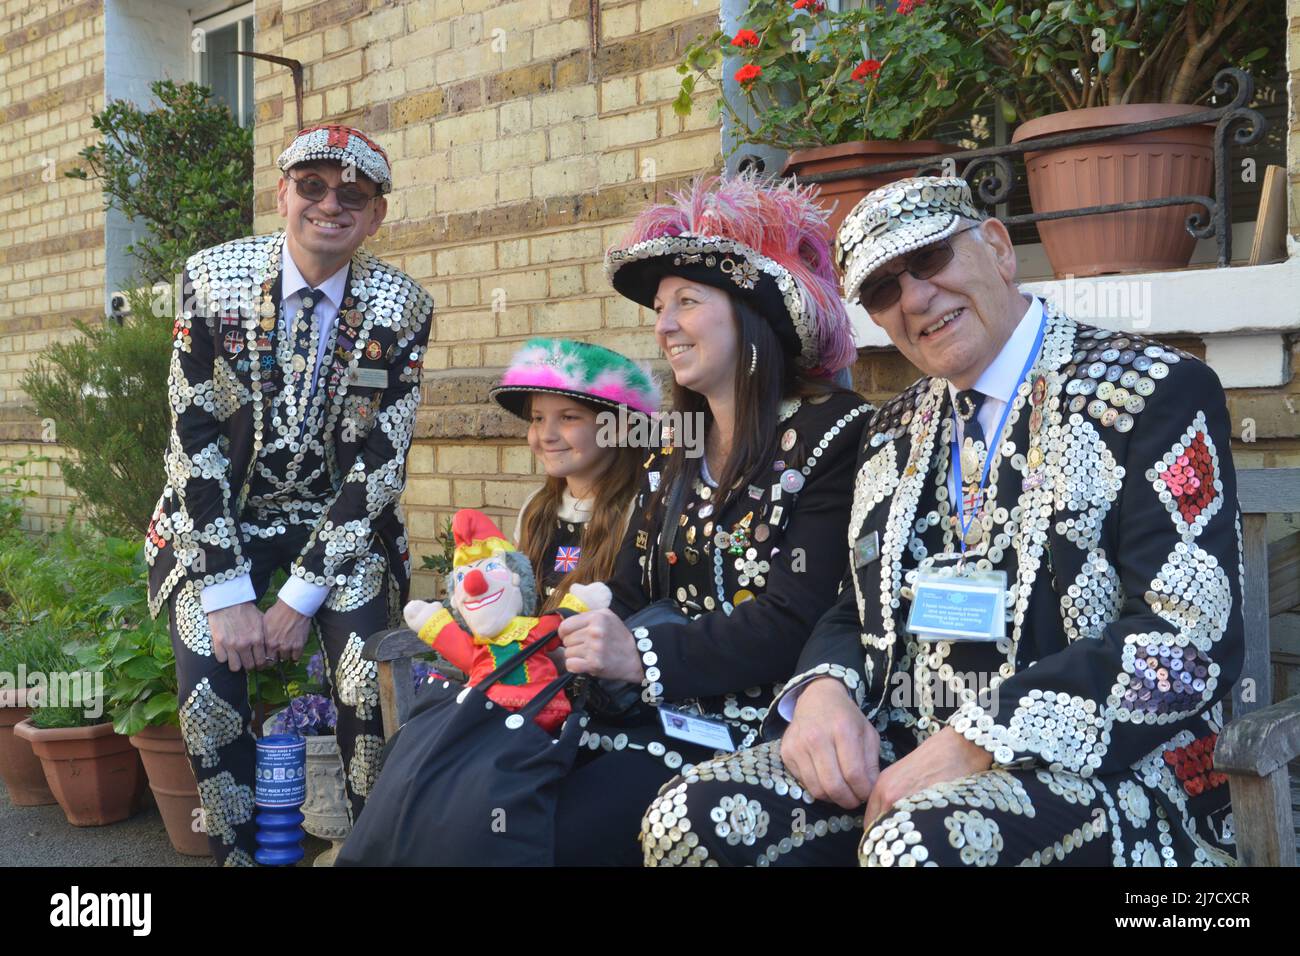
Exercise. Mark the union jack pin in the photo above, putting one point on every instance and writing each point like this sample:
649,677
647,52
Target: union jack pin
566,558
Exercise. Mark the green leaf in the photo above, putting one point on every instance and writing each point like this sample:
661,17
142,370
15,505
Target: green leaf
159,705
121,597
142,668
132,721
1106,62
1042,65
682,106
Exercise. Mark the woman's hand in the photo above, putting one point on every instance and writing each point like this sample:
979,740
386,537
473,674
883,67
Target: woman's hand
599,644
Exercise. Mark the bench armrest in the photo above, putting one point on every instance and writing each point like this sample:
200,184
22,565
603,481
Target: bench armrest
1262,741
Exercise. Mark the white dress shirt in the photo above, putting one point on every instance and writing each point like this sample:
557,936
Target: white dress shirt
999,383
301,595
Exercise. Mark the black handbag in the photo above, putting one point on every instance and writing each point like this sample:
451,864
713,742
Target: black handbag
466,782
620,701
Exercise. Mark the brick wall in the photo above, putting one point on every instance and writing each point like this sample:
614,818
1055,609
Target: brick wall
52,252
521,146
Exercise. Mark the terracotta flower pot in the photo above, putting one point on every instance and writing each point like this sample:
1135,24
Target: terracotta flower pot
19,767
840,196
1172,162
94,773
172,781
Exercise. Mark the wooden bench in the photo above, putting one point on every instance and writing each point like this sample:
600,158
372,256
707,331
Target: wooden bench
1254,748
395,651
1262,737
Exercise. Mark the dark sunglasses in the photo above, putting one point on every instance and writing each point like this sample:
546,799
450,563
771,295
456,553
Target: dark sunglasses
314,189
919,264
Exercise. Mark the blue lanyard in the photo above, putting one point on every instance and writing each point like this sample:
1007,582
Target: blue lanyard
962,521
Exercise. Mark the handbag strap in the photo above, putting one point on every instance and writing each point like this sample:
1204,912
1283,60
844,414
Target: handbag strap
669,534
515,660
544,696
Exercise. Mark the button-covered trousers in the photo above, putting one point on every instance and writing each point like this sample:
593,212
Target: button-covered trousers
745,809
215,714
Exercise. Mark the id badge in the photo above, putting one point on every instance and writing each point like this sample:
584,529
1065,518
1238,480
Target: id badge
694,729
960,607
369,378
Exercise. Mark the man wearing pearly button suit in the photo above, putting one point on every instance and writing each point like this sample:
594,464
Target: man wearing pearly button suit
1042,611
294,385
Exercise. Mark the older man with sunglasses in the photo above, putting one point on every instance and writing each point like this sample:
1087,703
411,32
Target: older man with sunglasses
1042,611
295,380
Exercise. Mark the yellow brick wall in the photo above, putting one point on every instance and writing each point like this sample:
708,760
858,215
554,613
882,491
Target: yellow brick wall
521,146
52,250
520,150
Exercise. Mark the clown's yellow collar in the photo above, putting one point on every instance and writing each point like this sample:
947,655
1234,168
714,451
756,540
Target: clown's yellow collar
512,633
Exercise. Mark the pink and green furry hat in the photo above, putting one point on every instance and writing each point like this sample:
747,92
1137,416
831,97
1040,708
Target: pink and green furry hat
762,240
577,369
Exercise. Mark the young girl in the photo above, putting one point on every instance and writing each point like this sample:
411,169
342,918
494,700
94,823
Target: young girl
571,527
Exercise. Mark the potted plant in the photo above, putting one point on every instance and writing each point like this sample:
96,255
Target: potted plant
135,655
93,772
26,656
839,90
1068,66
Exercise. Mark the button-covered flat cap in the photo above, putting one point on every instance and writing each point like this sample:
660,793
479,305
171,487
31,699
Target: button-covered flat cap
342,144
898,218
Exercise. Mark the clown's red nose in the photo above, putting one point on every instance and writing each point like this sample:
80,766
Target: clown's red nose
475,583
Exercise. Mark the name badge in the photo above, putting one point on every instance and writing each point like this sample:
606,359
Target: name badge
692,728
866,549
963,607
369,378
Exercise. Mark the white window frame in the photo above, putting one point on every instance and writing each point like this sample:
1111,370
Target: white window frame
214,16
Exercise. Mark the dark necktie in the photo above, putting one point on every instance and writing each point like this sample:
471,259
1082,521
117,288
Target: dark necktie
969,404
973,451
304,356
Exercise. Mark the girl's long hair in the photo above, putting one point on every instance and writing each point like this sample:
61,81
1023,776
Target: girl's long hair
756,443
603,533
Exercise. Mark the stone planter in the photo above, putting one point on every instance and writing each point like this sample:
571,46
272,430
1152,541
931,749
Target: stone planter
1151,165
94,773
171,778
839,197
19,767
325,813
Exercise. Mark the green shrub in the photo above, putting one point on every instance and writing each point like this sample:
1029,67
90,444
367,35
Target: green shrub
52,718
106,394
184,169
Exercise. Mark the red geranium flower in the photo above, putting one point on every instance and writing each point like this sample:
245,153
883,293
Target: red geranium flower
907,6
812,6
745,38
865,69
748,74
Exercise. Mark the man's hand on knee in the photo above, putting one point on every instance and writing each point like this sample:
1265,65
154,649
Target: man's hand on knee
238,637
945,756
830,747
286,633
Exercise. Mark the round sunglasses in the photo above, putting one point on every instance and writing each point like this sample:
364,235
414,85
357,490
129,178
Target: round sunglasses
919,264
314,189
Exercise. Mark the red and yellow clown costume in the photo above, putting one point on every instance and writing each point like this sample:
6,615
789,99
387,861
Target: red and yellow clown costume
478,540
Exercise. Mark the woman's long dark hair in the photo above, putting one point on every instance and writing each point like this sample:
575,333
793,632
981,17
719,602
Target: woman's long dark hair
756,442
